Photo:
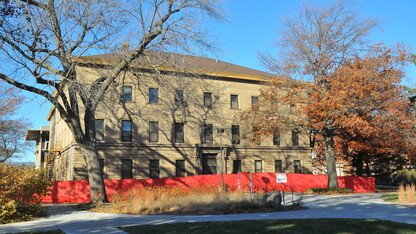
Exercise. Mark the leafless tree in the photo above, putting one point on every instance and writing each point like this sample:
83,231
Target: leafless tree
313,45
12,128
44,43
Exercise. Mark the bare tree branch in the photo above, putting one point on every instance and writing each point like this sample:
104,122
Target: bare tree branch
44,43
314,44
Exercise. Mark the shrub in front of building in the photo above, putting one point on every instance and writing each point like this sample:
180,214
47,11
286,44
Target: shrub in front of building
20,191
405,177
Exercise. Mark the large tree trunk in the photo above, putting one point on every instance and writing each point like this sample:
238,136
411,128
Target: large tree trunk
359,164
88,148
330,161
95,175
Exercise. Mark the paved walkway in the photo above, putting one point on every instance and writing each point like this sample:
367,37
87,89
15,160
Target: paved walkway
322,206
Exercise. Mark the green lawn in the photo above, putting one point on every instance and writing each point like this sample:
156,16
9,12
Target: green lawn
393,197
280,226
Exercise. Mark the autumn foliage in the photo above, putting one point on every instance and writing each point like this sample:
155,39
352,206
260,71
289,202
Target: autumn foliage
20,188
367,107
362,107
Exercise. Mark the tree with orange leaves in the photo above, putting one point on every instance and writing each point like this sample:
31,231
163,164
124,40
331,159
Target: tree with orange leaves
362,110
314,44
366,107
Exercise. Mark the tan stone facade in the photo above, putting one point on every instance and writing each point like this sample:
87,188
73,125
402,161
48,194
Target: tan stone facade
170,124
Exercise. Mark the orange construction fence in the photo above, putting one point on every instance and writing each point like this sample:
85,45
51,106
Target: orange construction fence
78,191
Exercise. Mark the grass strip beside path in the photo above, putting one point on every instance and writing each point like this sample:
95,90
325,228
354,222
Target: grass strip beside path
392,197
279,226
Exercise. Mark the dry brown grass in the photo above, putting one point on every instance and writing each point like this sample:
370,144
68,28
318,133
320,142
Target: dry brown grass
407,193
330,191
178,200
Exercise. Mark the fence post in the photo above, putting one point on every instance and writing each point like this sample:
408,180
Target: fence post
251,183
238,182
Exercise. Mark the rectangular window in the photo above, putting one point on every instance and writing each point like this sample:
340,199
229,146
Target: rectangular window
235,134
255,103
295,138
178,97
236,166
99,130
278,166
126,130
208,100
179,133
153,131
154,169
315,171
340,169
153,95
297,166
180,168
234,101
126,93
209,164
43,157
207,134
276,138
258,167
126,169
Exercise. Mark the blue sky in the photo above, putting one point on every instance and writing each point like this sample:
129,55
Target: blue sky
254,25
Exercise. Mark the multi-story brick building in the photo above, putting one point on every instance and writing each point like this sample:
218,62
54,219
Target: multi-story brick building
177,116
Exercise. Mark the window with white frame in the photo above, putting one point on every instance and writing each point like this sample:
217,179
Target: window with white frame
258,166
315,171
340,169
324,170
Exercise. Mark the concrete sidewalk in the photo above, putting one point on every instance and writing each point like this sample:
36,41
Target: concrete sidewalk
321,206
